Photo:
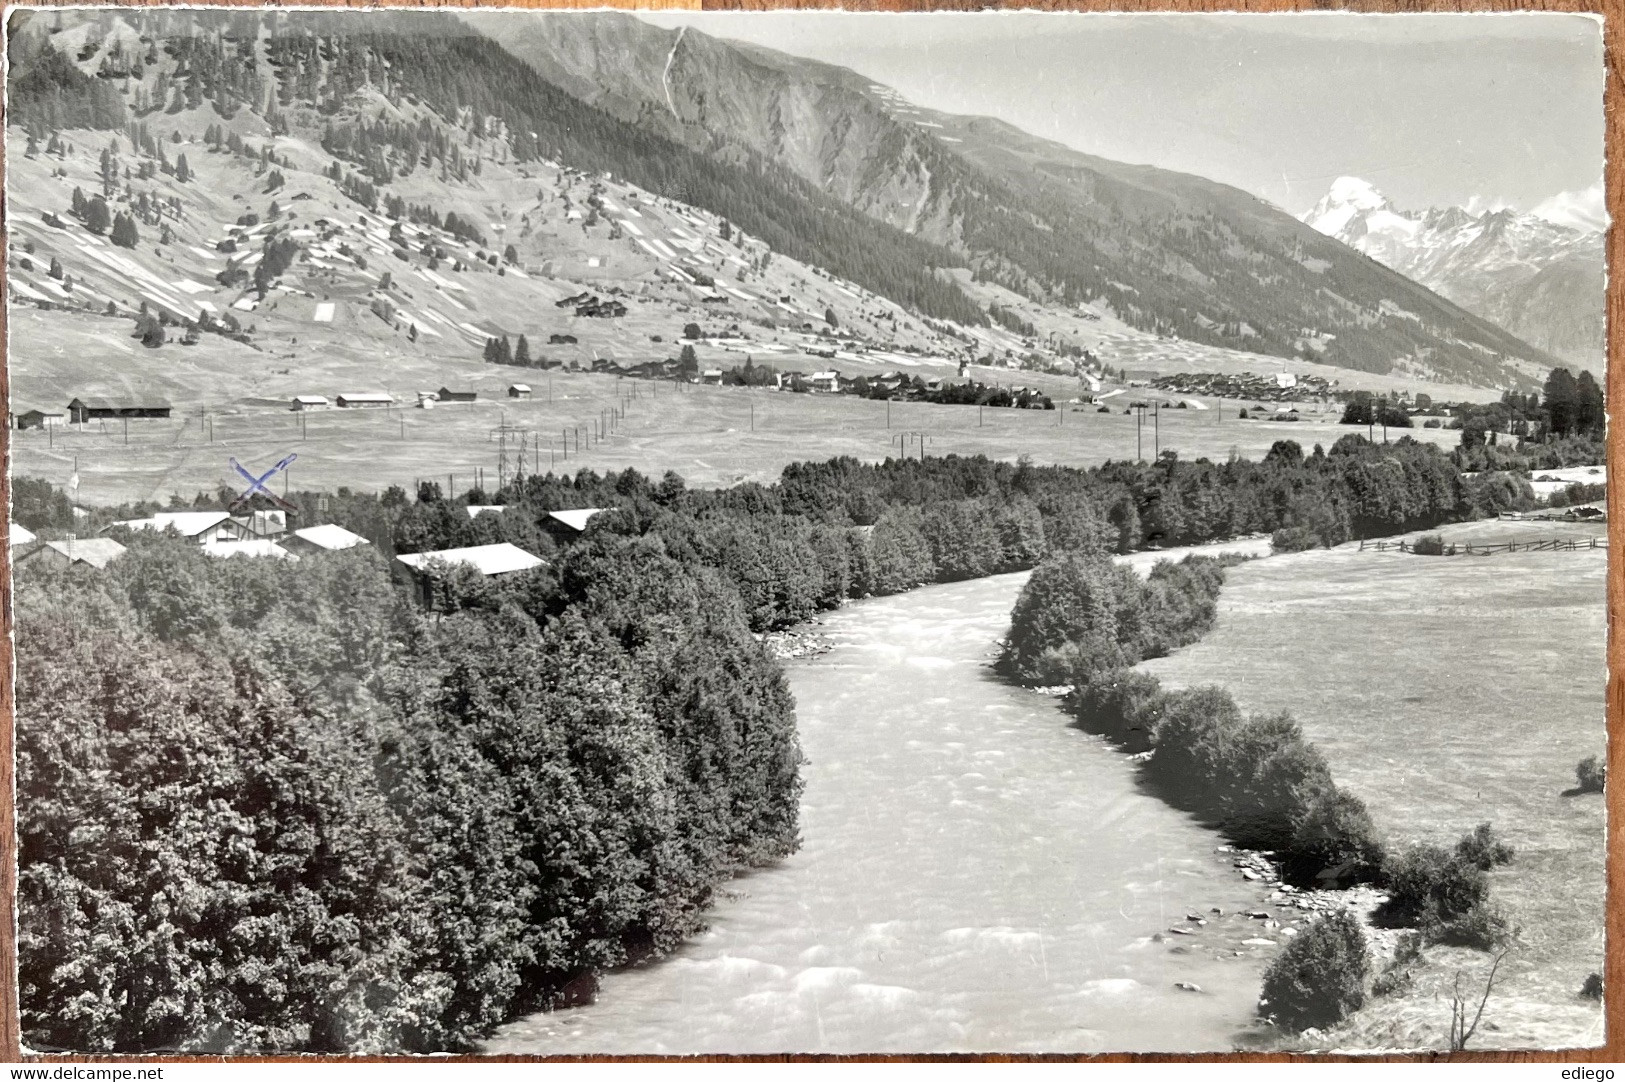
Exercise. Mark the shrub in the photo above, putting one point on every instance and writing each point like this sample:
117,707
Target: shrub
1320,977
1335,840
1181,602
1080,598
1482,848
1432,423
1481,928
1430,545
1189,740
1592,774
1592,988
1429,886
1294,539
1122,705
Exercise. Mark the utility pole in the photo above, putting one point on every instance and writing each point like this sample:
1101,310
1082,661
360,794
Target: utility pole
1139,423
1156,430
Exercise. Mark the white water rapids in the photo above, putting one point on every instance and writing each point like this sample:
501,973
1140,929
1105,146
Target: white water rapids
975,876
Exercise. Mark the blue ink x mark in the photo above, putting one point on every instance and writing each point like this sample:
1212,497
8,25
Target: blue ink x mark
258,483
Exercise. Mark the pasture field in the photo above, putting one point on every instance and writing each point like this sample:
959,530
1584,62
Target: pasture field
231,401
1446,692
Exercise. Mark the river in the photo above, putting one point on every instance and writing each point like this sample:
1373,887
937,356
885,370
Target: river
976,876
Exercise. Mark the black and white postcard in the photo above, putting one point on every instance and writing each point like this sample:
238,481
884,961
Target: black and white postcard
559,533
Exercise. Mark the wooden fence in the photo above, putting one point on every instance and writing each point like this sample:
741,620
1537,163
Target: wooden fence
1470,548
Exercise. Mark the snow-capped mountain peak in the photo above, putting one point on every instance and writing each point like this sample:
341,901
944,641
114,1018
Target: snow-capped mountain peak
1538,273
1347,199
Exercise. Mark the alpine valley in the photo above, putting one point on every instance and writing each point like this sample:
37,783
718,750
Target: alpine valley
402,187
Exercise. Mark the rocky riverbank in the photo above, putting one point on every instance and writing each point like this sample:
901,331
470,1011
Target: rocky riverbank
798,643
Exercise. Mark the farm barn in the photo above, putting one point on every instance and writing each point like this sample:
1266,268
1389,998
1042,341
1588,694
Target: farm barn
365,400
40,419
98,409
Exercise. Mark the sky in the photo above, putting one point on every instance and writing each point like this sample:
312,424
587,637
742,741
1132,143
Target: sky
1435,110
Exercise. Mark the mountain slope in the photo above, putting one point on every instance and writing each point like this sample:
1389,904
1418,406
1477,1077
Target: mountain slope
292,197
1166,252
1539,274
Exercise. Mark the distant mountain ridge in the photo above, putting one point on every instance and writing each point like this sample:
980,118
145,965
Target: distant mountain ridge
1539,274
1166,252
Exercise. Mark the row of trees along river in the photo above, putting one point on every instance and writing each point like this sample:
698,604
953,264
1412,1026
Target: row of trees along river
273,806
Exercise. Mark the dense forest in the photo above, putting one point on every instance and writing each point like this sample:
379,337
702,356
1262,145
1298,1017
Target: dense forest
269,805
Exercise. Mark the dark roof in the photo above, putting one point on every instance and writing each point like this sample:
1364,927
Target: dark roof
139,403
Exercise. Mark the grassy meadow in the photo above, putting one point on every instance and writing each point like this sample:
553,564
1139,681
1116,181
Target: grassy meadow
239,396
1446,692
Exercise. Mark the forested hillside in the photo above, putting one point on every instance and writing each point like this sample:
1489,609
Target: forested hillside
306,74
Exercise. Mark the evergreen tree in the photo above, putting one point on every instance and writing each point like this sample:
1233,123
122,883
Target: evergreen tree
1561,402
521,353
124,232
183,171
97,218
149,331
1590,414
